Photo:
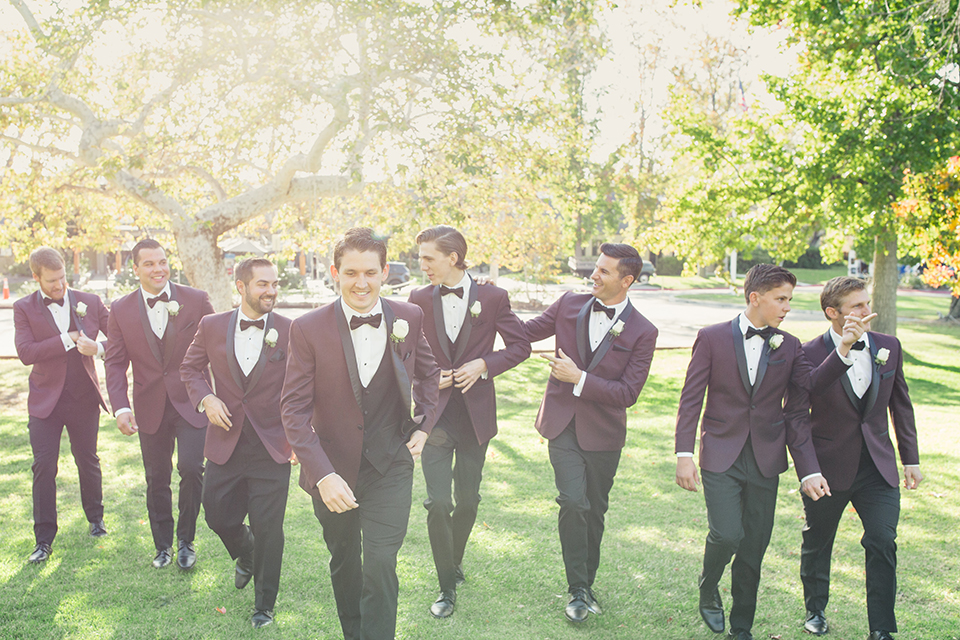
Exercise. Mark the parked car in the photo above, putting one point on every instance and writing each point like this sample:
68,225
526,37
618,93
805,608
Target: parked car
584,268
399,273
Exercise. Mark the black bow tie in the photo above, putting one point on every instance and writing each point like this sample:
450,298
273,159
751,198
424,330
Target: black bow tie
50,301
601,308
763,333
160,298
458,291
246,324
359,321
859,345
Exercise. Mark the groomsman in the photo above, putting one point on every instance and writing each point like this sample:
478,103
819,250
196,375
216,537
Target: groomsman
55,330
461,322
851,437
152,328
248,457
359,401
604,347
747,365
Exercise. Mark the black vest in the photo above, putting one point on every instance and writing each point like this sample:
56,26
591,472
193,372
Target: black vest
77,383
383,414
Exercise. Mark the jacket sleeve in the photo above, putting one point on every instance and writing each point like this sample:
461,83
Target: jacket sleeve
116,360
426,382
29,349
796,414
691,397
194,365
901,412
516,345
544,325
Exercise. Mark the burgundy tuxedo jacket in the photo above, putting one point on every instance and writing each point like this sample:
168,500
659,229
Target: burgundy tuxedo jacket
257,398
156,374
615,374
841,422
735,409
38,343
476,340
321,402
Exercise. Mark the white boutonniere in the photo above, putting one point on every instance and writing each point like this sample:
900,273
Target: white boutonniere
400,330
81,309
776,340
617,328
173,308
475,309
882,355
271,337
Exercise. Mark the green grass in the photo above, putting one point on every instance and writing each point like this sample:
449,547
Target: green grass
515,585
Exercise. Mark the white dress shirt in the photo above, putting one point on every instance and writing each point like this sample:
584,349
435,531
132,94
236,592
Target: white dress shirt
61,316
599,324
860,373
455,308
753,348
248,344
157,316
368,343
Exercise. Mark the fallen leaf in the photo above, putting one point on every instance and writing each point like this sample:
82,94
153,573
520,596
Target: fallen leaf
221,609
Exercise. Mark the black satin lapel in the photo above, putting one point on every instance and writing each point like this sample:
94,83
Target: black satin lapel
265,352
47,313
464,336
403,380
74,318
762,365
348,353
439,325
844,378
741,356
231,347
608,339
874,389
148,333
583,331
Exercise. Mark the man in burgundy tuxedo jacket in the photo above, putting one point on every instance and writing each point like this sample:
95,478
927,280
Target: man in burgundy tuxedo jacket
604,349
851,437
248,457
461,322
55,331
355,370
152,328
747,365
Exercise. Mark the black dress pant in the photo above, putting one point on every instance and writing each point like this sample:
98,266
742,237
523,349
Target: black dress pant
250,483
81,417
878,506
451,515
741,503
584,480
157,451
366,587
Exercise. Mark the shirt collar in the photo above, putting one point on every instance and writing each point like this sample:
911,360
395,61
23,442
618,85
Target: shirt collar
147,296
837,339
242,316
349,313
617,308
746,324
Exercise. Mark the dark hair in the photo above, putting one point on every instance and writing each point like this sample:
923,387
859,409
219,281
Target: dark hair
630,263
837,289
146,243
448,240
45,258
244,271
764,277
360,239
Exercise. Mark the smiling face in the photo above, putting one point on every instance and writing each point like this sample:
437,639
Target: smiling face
855,303
768,309
440,268
53,283
152,269
259,296
360,276
608,287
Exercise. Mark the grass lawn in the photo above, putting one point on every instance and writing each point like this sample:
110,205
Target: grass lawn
515,586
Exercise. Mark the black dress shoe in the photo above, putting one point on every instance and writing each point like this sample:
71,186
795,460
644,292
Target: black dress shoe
97,530
592,605
244,570
711,610
816,623
740,635
879,635
162,559
458,574
443,607
576,609
40,553
261,618
186,556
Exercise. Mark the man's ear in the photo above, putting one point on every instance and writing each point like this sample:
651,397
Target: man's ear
832,313
629,281
753,299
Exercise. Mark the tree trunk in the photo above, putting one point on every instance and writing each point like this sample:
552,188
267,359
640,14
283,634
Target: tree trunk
885,281
203,265
494,268
954,309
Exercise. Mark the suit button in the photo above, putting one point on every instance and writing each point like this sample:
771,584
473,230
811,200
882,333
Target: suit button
360,427
244,401
753,406
164,373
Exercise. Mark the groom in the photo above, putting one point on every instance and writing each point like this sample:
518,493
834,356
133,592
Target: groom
358,403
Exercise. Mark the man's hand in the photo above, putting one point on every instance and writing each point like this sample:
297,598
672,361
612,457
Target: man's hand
853,328
815,487
562,367
217,412
127,423
911,477
468,373
482,280
687,473
86,346
293,458
446,378
336,494
417,439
